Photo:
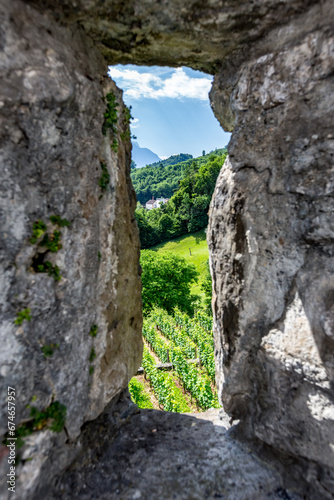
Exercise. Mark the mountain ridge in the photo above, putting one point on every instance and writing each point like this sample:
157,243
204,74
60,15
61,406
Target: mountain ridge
143,156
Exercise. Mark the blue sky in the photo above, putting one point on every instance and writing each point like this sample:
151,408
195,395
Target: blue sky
171,109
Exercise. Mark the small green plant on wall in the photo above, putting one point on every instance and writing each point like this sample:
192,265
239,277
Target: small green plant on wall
114,145
57,220
52,270
48,350
127,117
52,242
38,229
105,177
110,115
93,331
92,355
53,418
23,315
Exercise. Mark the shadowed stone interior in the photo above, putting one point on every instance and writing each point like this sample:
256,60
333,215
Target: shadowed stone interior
270,233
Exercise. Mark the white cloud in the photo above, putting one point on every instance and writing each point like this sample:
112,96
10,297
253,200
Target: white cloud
134,122
178,86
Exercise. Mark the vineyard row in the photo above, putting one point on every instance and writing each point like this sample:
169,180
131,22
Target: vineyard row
181,337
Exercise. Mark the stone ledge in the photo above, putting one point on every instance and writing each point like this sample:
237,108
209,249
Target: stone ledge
163,455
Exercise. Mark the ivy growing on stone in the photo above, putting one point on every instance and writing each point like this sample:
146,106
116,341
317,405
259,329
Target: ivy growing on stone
110,115
127,117
52,242
53,418
105,177
52,270
38,229
114,145
92,355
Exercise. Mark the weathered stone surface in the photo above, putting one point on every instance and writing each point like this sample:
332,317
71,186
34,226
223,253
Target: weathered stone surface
51,114
202,34
168,456
271,246
271,228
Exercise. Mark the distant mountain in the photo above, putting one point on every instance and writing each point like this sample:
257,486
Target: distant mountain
143,156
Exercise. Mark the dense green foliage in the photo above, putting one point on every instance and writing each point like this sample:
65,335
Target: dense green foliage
38,229
187,334
184,338
206,286
157,343
53,418
176,337
169,276
160,181
194,248
187,209
105,177
166,281
200,335
172,160
167,393
110,114
50,269
139,394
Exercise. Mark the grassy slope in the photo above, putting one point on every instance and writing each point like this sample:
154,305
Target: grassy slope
199,252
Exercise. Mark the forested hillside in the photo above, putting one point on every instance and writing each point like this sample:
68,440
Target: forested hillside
172,160
160,182
187,209
161,179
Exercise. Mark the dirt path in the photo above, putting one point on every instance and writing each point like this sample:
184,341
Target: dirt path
149,391
190,400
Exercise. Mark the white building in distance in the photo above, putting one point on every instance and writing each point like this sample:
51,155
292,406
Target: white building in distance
155,203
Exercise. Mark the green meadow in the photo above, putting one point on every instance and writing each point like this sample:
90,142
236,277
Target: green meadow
192,247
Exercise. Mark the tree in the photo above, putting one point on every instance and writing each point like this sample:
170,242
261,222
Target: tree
165,224
206,286
192,183
133,165
166,280
199,213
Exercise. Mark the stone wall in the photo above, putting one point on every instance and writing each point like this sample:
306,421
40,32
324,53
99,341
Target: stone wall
271,220
271,245
52,112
